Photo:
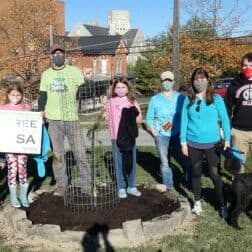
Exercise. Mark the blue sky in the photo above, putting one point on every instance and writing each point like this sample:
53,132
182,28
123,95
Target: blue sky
152,16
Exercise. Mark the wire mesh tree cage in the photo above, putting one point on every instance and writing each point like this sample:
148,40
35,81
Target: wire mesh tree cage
89,179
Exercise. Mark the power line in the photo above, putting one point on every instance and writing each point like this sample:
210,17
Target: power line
147,46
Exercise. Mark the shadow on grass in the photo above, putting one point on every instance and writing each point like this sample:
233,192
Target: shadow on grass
3,184
179,181
150,163
37,181
91,241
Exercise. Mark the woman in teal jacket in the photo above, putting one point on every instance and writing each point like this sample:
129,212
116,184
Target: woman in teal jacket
200,130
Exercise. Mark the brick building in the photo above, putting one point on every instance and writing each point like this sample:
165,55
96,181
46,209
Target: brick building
106,55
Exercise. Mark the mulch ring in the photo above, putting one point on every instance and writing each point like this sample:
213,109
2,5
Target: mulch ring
49,209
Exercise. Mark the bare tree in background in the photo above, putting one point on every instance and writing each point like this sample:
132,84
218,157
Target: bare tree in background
222,19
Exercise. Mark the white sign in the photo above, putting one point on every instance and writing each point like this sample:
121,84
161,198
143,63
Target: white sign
20,132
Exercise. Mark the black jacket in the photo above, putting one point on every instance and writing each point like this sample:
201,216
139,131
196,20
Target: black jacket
126,137
238,100
128,131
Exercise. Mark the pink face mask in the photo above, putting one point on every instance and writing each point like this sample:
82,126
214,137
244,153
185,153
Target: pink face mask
121,92
247,72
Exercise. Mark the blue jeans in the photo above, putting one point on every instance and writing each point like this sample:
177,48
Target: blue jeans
120,178
162,144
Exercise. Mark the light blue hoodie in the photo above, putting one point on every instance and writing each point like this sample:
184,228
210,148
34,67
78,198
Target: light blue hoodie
162,109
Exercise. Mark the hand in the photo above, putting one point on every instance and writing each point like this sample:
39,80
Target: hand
2,165
152,131
226,145
104,116
43,114
184,149
88,72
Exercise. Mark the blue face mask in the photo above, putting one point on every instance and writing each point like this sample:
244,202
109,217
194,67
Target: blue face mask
167,85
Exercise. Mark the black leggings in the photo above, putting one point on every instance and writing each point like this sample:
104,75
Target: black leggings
196,159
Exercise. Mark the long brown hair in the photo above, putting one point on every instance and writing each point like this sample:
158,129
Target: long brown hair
14,86
191,90
131,93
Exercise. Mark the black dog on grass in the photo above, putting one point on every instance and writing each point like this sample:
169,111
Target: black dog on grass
241,184
242,189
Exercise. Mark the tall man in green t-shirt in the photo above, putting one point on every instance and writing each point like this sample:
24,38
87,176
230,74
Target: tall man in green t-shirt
57,99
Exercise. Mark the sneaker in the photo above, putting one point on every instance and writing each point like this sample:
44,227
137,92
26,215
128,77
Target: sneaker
59,191
133,191
197,209
122,194
224,212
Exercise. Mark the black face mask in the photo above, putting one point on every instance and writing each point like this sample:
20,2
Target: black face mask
58,60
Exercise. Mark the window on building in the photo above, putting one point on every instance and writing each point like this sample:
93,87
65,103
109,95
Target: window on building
118,66
104,68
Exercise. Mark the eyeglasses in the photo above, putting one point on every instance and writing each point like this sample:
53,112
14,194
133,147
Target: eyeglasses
198,105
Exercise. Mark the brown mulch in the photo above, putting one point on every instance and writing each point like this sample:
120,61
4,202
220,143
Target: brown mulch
49,209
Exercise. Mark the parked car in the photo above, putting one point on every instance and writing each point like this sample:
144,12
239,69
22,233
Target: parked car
220,86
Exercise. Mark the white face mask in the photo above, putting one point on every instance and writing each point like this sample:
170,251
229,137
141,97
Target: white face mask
200,85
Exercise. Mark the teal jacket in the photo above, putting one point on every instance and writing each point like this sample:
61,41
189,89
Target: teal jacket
162,109
202,124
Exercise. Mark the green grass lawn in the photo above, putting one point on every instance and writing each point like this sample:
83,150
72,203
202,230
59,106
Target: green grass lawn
211,233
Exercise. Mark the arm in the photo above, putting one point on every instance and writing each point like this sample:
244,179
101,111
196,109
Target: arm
225,122
2,161
139,118
229,100
88,73
105,113
84,82
184,121
42,99
150,115
183,127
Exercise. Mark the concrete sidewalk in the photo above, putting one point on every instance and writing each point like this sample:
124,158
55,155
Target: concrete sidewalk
144,138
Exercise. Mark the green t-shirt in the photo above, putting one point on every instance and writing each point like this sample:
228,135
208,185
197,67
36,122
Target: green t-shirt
61,87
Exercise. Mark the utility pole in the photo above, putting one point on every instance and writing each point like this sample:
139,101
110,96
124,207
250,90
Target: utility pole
175,43
51,35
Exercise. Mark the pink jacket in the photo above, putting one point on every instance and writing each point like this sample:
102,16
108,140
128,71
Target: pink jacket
18,107
114,108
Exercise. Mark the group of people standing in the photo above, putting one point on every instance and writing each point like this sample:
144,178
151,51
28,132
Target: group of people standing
186,125
194,118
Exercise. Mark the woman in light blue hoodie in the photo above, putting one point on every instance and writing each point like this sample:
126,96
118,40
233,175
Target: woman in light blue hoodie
163,122
200,131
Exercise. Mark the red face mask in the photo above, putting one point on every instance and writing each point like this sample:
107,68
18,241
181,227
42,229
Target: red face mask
247,72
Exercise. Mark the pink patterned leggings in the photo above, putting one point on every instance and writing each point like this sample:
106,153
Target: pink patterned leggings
17,164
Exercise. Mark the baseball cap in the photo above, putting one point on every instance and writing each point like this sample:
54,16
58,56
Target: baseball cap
56,47
167,75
